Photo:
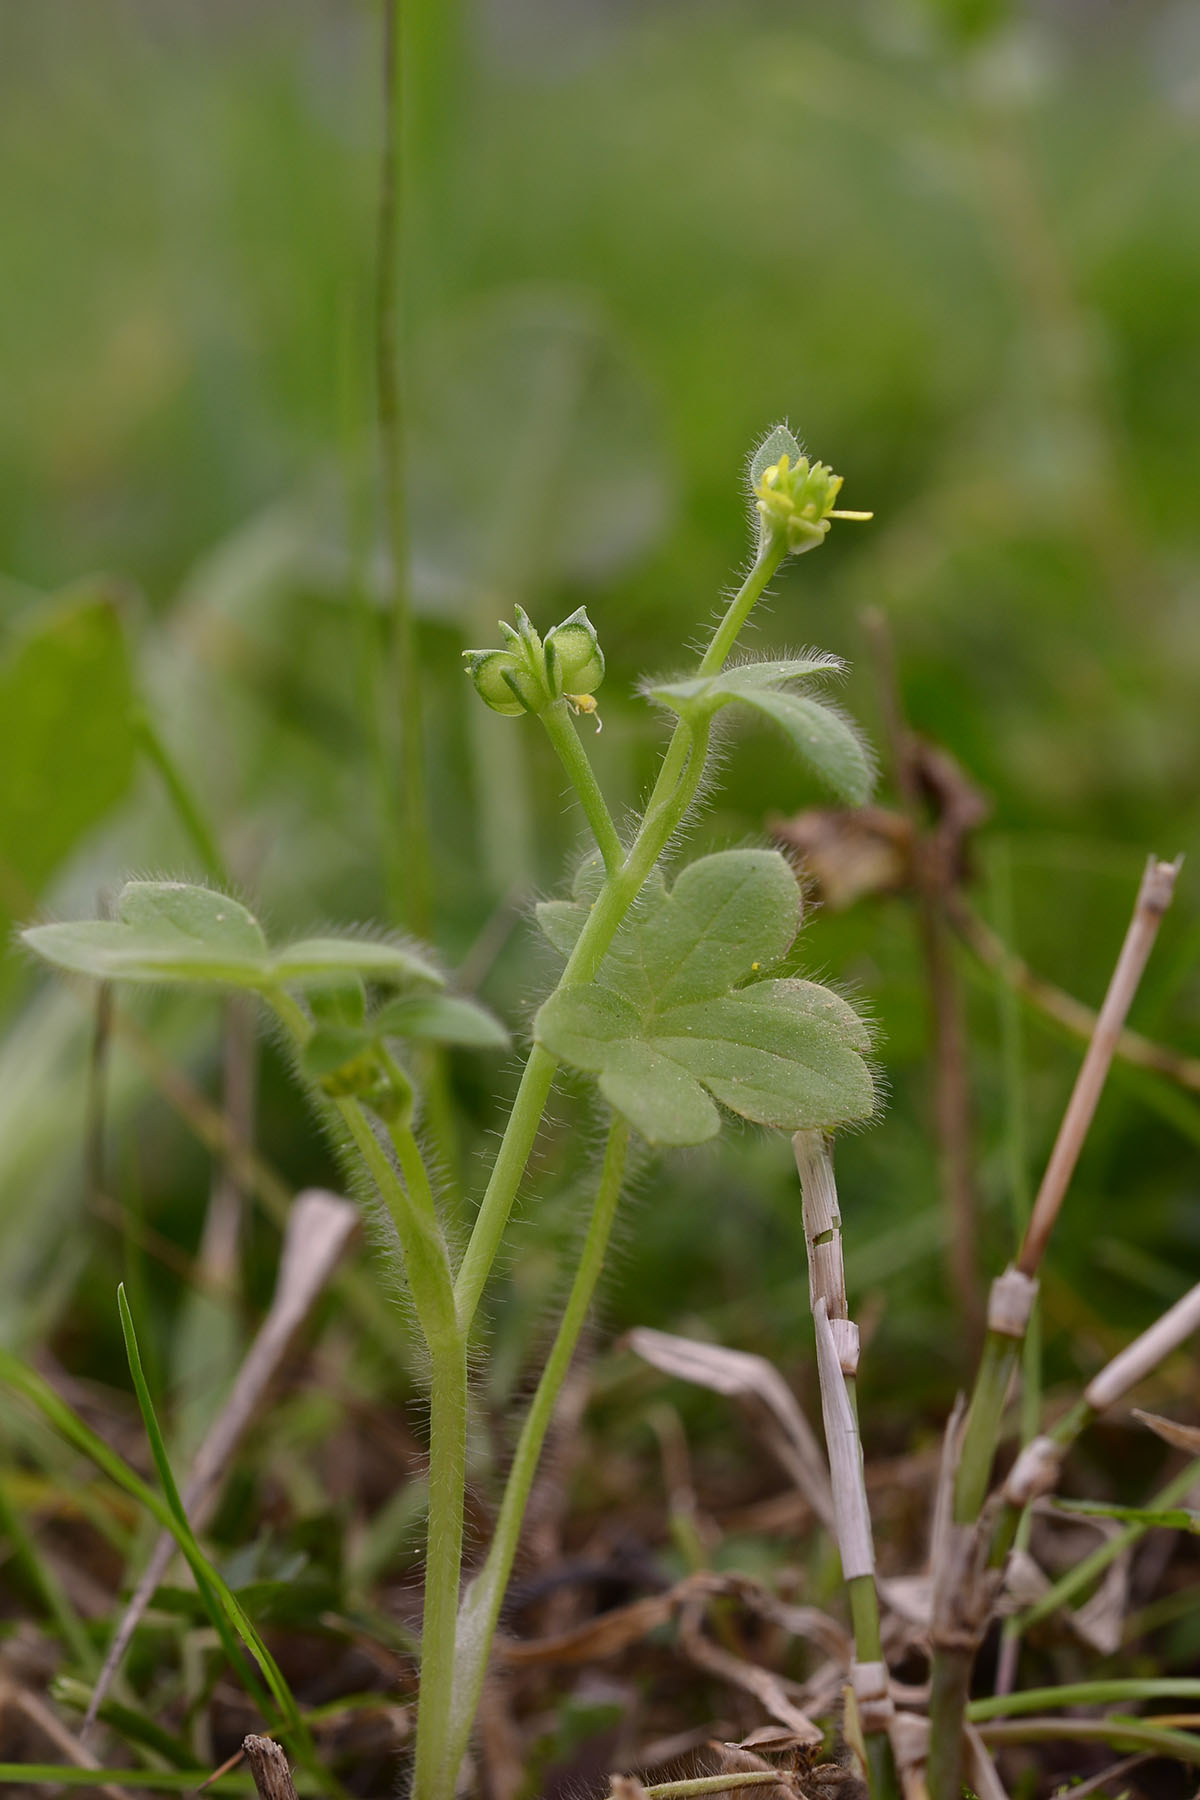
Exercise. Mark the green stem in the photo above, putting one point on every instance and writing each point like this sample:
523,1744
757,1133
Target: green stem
725,636
1121,1733
427,1264
410,1202
483,1599
1092,1567
950,1684
982,1433
487,1234
678,778
1085,1693
183,802
864,1618
415,901
560,729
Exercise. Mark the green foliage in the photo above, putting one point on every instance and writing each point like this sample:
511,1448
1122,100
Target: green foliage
817,733
1171,1518
66,738
669,1028
172,932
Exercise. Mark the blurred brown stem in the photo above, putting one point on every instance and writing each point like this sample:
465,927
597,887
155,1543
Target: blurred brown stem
951,1093
1063,1008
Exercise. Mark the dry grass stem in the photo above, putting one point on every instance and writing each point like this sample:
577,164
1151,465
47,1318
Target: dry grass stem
742,1376
768,1689
852,1520
1054,1003
1154,897
1145,1353
269,1767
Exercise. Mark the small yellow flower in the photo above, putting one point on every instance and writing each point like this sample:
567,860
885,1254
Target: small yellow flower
798,501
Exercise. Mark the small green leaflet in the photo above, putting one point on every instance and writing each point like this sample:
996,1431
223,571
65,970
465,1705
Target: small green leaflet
818,733
1175,1518
421,1018
670,1029
169,931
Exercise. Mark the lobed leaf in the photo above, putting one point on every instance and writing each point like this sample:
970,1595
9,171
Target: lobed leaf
669,1029
818,733
171,931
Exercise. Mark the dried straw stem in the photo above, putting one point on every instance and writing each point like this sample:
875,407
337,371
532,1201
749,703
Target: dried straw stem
1154,897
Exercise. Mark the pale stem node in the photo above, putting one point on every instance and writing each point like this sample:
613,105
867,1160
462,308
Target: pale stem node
1011,1302
822,1222
852,1518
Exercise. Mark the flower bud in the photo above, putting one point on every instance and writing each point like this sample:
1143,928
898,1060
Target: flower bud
573,653
503,680
527,675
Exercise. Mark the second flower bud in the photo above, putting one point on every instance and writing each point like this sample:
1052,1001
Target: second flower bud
530,673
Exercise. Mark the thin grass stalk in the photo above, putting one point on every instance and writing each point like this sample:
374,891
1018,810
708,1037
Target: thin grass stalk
1016,1141
1036,1470
482,1601
1092,1567
1153,899
1010,1306
413,898
1085,1693
1144,1734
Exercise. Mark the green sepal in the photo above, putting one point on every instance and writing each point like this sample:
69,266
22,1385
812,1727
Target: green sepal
778,442
576,652
494,672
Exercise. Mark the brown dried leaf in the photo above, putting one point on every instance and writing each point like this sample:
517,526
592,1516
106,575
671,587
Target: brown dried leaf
768,1688
849,854
1180,1437
741,1376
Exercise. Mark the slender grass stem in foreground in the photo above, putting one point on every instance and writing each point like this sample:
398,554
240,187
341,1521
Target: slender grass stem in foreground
1012,1300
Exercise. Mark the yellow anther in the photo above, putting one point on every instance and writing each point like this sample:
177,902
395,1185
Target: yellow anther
585,703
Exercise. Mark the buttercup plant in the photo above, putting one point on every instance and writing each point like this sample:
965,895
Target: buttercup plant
671,995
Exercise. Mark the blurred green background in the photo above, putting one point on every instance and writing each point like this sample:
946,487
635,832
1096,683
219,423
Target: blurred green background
954,242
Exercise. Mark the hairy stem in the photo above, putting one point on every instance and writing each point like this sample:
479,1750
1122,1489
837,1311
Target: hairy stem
483,1599
408,1197
560,729
673,792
